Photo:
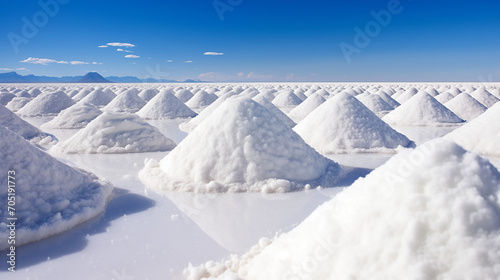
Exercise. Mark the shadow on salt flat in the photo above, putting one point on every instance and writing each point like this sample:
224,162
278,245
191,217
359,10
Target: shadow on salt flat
76,239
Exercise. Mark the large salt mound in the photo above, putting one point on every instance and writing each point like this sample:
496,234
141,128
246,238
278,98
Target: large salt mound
75,117
244,148
201,99
127,102
422,109
22,128
46,104
306,107
51,197
113,133
98,98
483,96
429,213
482,134
343,124
273,109
165,106
465,106
286,99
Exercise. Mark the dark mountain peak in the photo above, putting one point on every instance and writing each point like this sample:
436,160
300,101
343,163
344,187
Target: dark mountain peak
93,77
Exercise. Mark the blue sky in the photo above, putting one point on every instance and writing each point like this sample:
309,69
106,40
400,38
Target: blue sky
257,40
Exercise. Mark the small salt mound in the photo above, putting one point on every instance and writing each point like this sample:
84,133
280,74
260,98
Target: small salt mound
273,109
81,94
72,93
244,148
269,94
388,99
165,106
201,99
300,94
51,197
113,133
286,99
46,104
184,95
17,103
428,213
406,95
193,123
306,107
375,103
495,92
127,102
23,93
483,96
444,97
109,91
422,109
34,92
98,98
148,94
21,127
432,91
482,134
465,106
75,117
351,91
6,97
343,124
454,91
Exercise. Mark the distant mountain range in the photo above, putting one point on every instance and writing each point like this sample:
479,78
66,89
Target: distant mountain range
91,77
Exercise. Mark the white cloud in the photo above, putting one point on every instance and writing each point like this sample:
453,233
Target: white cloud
102,46
132,56
78,62
213,53
116,44
188,61
42,61
122,50
119,50
46,61
97,63
170,60
13,69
